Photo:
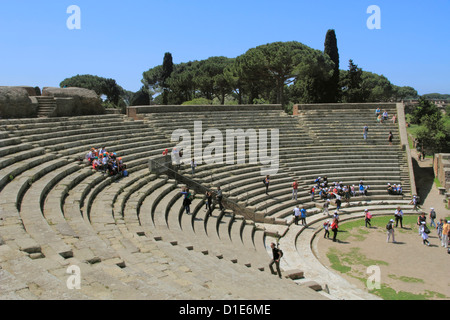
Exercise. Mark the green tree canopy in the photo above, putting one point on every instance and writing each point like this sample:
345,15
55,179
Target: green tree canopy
102,86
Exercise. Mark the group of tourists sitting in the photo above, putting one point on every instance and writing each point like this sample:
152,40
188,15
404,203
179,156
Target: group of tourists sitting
383,116
395,189
337,190
102,160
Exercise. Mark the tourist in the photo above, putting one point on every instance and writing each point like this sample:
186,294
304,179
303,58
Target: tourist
186,200
266,183
209,202
390,138
334,228
303,216
362,190
365,131
390,231
338,203
421,220
398,217
367,216
389,189
415,201
394,118
336,215
296,215
432,217
377,112
439,228
326,227
294,190
424,231
353,191
193,166
385,115
312,191
277,255
380,119
445,231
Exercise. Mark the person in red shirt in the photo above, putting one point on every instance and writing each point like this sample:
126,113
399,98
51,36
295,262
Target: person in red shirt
368,216
294,190
334,228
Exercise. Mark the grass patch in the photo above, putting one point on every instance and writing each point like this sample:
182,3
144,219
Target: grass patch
336,262
437,182
387,293
405,279
343,262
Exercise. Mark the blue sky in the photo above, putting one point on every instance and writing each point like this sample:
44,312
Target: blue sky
122,39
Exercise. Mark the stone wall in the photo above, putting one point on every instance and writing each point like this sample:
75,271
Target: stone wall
15,102
441,167
75,101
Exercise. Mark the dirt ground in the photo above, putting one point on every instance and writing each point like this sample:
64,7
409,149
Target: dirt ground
411,266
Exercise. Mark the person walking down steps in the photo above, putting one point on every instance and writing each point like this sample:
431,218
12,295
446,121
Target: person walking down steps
277,255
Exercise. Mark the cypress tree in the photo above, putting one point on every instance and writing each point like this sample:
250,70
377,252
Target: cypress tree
166,72
332,86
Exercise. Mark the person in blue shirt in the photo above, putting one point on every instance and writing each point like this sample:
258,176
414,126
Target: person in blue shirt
186,200
303,216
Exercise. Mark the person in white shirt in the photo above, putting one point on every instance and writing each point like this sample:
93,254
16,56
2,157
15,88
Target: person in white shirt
398,217
326,227
296,215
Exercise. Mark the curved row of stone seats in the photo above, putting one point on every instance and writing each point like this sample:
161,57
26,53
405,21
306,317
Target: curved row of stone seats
243,183
33,217
63,142
346,126
132,235
48,126
104,246
198,231
26,231
378,166
224,227
287,125
174,219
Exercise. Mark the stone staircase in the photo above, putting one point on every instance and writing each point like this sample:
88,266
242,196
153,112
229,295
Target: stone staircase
46,105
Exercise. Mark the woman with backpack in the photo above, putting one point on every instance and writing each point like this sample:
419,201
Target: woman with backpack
424,231
390,230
